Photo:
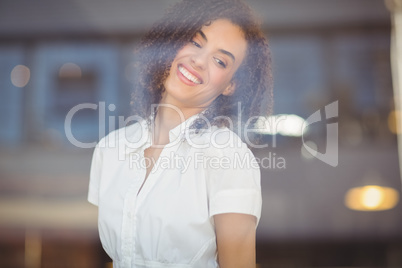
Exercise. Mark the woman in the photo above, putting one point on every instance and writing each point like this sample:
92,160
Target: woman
178,188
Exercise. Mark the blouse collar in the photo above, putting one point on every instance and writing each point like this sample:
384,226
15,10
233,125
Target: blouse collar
179,133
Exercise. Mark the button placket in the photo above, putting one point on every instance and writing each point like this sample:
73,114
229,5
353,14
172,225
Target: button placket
129,222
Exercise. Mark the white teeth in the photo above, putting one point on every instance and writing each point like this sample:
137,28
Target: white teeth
188,75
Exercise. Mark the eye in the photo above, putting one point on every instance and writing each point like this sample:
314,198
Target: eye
221,63
195,44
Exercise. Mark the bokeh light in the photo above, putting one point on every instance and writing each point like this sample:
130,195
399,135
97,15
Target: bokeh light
70,70
20,75
283,124
371,198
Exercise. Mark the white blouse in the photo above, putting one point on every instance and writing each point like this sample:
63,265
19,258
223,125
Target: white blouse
169,223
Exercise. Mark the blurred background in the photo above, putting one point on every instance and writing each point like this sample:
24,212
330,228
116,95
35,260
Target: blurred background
55,55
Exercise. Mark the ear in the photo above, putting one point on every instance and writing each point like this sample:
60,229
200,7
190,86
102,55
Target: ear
230,89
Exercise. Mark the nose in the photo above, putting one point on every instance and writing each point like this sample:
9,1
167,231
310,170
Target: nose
199,60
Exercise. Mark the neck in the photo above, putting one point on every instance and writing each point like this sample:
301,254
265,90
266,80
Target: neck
168,117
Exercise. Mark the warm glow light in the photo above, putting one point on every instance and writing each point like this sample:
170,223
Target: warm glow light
20,76
393,118
371,197
284,124
33,248
70,70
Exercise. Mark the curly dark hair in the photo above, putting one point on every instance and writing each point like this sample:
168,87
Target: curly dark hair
160,45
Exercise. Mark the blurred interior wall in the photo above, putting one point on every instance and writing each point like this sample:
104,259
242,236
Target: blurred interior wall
395,6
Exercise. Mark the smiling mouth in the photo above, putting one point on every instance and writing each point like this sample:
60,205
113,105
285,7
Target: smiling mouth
189,76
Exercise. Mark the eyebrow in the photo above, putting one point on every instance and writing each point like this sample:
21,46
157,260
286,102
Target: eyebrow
227,53
220,50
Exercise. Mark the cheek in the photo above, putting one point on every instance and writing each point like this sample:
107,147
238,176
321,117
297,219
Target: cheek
221,78
183,52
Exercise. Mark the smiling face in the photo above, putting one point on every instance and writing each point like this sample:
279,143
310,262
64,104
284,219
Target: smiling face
203,69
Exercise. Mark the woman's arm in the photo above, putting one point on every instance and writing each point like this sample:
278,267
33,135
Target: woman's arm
235,235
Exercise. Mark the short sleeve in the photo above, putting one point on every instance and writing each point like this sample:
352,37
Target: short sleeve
234,186
95,175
